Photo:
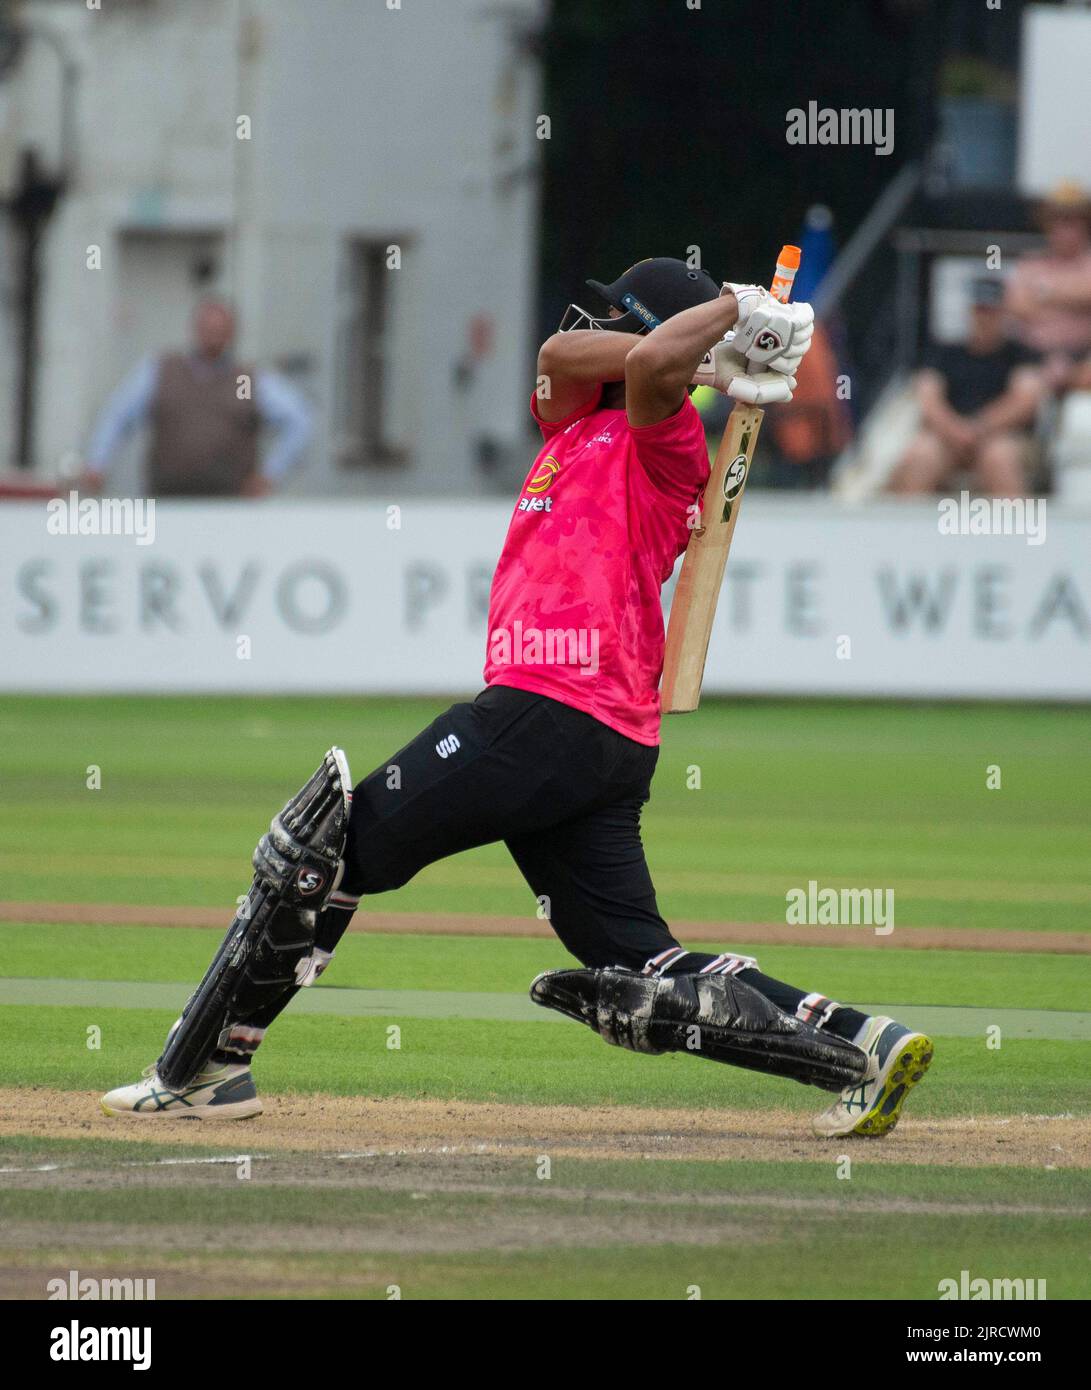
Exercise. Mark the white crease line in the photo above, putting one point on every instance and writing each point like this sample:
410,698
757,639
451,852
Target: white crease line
138,1163
167,1162
406,1153
250,1158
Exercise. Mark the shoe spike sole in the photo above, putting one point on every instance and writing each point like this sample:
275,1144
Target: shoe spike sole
911,1066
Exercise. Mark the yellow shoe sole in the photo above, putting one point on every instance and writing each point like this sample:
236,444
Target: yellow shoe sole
914,1059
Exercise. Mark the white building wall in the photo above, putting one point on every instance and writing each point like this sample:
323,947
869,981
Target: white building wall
417,123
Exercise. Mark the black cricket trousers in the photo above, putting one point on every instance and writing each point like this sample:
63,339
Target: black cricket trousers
563,792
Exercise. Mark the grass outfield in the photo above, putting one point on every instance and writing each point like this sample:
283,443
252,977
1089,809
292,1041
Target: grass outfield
850,795
485,1059
621,1229
847,794
455,1059
736,1249
384,961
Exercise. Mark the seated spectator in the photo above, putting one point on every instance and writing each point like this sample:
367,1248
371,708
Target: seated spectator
977,401
1049,295
204,438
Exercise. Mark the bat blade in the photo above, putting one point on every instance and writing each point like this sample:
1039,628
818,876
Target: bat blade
693,609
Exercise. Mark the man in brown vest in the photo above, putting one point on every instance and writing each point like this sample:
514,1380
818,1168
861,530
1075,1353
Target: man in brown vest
204,411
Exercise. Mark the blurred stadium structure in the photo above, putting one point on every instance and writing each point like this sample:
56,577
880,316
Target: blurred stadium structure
418,127
399,198
369,128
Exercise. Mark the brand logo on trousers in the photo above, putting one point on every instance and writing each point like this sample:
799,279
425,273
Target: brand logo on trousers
447,745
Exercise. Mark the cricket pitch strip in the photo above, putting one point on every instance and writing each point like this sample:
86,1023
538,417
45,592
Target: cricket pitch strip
392,1127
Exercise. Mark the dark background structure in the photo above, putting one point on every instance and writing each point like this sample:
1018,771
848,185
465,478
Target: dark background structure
668,124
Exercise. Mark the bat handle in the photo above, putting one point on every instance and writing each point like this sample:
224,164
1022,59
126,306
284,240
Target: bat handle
787,265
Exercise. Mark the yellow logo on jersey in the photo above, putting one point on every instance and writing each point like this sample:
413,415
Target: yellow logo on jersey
542,480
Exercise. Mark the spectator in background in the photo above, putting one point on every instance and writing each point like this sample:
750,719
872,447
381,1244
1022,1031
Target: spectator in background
977,401
1049,295
203,437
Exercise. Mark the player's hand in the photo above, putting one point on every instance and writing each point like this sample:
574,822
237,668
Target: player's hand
762,387
728,371
770,334
721,365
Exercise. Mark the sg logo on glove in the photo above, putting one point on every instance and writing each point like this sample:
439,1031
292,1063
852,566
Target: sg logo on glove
768,341
309,881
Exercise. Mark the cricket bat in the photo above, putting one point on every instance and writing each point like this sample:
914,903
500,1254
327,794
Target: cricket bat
694,606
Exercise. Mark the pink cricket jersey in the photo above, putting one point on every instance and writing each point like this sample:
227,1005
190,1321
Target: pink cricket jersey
575,610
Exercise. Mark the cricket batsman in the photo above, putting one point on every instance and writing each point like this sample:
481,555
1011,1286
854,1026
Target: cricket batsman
556,755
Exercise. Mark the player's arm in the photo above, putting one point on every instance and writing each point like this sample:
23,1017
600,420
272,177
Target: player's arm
572,365
661,366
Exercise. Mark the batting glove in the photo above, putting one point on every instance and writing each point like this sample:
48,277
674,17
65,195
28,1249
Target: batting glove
726,369
772,335
762,387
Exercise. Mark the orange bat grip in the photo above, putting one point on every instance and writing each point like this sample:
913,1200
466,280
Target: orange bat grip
787,265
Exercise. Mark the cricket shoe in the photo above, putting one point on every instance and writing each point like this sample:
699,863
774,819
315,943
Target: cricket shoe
224,1092
897,1060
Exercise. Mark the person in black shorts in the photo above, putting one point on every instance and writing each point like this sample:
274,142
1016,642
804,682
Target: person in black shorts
977,401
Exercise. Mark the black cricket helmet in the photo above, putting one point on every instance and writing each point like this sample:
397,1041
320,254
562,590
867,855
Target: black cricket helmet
648,293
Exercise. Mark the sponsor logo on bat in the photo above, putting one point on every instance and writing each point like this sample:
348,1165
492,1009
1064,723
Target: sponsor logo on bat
735,477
